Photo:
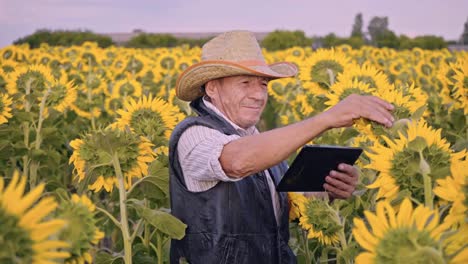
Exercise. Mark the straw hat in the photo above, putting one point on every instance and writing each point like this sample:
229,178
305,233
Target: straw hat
229,54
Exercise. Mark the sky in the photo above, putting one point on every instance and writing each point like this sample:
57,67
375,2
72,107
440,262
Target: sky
19,18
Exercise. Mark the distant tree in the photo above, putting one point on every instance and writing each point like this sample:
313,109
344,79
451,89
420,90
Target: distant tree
357,26
282,39
429,42
387,39
406,42
145,40
377,28
464,36
356,42
63,38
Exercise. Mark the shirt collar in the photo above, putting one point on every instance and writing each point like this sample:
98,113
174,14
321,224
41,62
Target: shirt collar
249,131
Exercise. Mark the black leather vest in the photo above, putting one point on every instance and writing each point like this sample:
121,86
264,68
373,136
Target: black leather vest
233,222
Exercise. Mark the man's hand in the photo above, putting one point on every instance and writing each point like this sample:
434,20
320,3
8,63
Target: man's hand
341,184
356,106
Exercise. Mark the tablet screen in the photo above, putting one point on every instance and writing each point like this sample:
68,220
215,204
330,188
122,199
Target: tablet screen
313,163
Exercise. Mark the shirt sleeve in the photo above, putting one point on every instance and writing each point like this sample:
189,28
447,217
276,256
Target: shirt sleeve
199,149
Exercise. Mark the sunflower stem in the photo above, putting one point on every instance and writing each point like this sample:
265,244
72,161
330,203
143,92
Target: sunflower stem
27,108
428,195
111,217
159,247
123,210
331,76
90,97
305,244
37,143
147,236
135,231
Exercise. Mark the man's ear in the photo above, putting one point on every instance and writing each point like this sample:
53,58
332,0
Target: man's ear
211,88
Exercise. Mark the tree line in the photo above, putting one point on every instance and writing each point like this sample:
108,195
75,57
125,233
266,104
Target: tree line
377,34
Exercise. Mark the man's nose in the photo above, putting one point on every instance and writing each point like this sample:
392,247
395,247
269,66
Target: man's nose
258,92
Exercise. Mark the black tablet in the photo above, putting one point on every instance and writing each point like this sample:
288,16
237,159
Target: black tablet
313,163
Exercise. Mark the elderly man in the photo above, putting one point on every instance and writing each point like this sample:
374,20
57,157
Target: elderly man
223,172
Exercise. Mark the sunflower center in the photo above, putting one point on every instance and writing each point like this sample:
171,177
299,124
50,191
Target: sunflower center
183,66
321,72
57,95
148,123
98,149
126,89
7,54
115,103
34,79
426,69
134,65
367,80
167,63
16,242
405,168
81,228
350,91
405,245
322,218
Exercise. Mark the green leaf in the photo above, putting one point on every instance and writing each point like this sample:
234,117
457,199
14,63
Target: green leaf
141,254
105,258
164,222
419,113
39,155
25,116
348,134
417,144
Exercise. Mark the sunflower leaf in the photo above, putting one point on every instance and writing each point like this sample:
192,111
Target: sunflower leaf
164,222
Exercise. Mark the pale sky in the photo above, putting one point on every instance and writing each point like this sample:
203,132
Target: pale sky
19,18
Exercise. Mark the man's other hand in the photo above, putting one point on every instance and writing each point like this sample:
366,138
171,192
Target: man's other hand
342,183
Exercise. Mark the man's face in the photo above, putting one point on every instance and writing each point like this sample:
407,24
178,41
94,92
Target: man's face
240,98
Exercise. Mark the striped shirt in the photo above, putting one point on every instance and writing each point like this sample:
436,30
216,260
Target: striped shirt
199,149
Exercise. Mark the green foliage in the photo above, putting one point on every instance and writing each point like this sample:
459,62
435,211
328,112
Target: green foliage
282,39
63,38
146,40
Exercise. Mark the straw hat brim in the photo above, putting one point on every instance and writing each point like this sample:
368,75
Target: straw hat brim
189,82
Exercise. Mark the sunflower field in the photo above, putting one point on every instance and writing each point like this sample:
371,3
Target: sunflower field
84,154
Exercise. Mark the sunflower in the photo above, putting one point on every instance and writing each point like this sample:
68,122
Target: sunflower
5,108
342,89
127,87
151,117
3,81
112,103
323,66
29,80
320,220
62,95
454,189
92,157
404,107
295,199
281,89
25,236
460,87
403,162
367,74
409,236
8,52
81,233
